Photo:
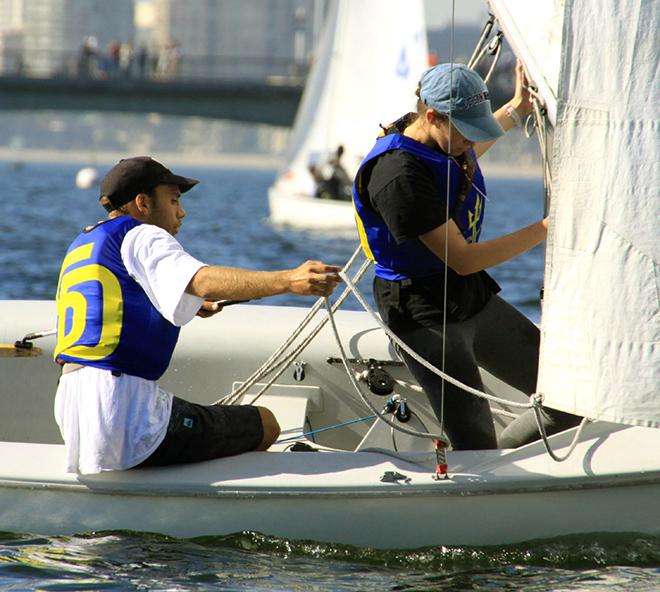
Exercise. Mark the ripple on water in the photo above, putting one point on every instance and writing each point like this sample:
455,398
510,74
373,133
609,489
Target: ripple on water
128,560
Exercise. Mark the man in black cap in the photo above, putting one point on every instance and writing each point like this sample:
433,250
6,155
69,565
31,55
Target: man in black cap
125,289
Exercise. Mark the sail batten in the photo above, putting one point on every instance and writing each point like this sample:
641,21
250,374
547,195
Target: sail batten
600,353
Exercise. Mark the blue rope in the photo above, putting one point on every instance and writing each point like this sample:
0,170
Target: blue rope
339,425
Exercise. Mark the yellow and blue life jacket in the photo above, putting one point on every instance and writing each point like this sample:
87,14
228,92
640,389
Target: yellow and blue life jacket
105,318
411,258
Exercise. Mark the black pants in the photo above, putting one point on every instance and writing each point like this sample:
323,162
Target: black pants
202,432
498,338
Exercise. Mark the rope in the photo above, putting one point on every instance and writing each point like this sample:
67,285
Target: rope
447,213
541,133
418,389
357,388
266,367
421,360
320,430
277,361
393,432
488,27
535,399
537,404
494,46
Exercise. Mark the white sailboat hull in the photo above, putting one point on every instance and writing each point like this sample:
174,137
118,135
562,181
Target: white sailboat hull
366,66
339,499
611,482
309,212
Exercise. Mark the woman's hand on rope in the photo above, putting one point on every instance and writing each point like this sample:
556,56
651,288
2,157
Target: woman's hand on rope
522,98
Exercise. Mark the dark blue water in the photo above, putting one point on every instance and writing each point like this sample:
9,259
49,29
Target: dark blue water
41,211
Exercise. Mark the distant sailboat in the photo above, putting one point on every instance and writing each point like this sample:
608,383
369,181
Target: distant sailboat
369,59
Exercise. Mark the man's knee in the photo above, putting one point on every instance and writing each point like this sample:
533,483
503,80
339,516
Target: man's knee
270,426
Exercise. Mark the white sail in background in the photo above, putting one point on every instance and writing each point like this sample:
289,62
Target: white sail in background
601,314
370,58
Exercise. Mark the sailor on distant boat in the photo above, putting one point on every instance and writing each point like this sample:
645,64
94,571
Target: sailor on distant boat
125,289
420,198
332,180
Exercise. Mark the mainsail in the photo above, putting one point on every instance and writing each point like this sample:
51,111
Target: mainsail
370,57
595,63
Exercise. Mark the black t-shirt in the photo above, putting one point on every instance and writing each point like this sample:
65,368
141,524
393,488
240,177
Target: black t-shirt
401,189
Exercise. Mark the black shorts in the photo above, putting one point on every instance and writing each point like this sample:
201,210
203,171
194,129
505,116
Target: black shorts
202,432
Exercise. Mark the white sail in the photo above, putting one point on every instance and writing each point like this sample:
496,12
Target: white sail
536,37
601,314
371,55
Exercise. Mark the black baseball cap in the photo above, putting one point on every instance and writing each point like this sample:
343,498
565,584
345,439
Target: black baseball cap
139,174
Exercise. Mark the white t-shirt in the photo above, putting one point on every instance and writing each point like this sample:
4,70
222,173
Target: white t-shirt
113,423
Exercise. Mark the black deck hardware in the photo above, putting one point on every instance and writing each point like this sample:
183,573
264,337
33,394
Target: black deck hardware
365,362
394,477
379,380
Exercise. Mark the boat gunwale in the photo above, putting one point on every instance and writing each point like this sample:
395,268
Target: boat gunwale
432,489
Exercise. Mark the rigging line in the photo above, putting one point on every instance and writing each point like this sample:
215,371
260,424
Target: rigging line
445,279
546,443
279,366
272,362
319,430
39,334
494,46
488,27
496,59
418,389
421,360
541,134
471,185
541,131
356,386
284,364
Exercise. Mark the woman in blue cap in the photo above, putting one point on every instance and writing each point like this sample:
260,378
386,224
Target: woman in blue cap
420,199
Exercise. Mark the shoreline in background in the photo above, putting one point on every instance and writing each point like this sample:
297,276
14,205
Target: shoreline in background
82,157
233,161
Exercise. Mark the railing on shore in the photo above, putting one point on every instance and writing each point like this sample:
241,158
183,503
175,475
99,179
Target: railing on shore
167,64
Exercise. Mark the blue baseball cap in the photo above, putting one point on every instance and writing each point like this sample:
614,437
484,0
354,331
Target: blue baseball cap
469,104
